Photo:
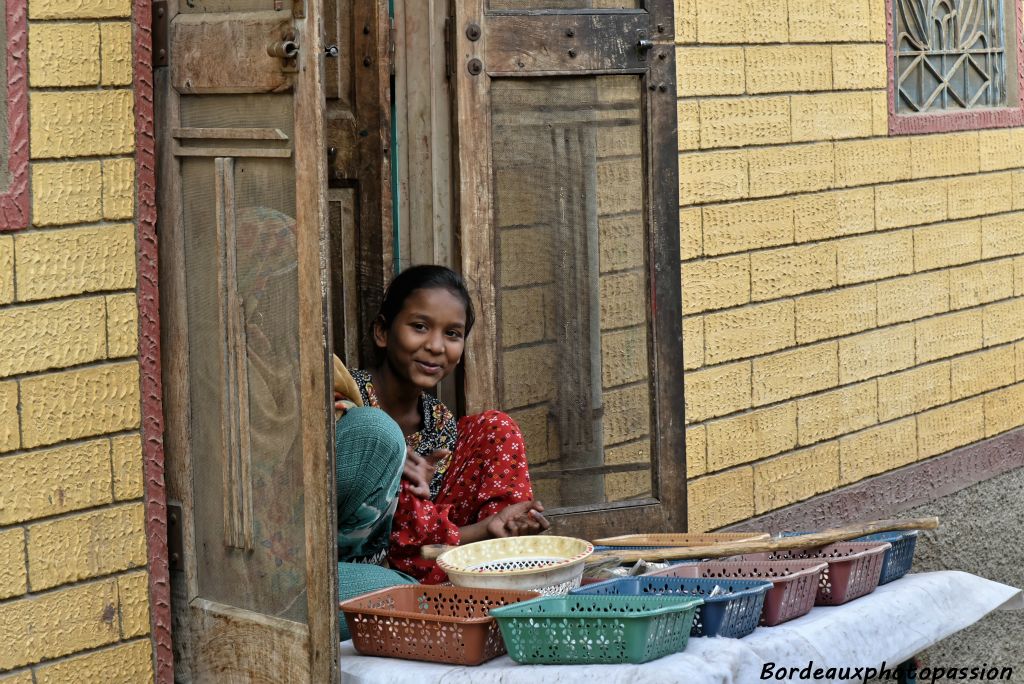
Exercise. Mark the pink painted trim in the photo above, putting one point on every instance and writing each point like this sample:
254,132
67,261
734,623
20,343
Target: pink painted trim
903,124
149,346
14,203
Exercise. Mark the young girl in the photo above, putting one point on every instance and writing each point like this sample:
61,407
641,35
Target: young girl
404,463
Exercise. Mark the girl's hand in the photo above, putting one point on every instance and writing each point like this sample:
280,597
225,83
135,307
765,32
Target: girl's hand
341,405
518,519
419,470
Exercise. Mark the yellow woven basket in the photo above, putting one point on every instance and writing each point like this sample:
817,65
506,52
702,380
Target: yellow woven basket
551,565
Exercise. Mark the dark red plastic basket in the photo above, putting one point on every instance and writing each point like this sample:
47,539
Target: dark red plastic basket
794,582
854,568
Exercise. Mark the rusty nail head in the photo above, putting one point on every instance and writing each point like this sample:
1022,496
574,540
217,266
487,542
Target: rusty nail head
473,32
652,87
662,55
572,52
662,87
661,28
475,66
570,32
366,29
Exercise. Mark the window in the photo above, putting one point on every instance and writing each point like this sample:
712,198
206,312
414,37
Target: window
14,205
954,65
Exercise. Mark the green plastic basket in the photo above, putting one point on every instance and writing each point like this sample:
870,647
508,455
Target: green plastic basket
577,630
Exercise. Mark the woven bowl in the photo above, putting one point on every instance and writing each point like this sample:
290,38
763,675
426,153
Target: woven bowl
550,565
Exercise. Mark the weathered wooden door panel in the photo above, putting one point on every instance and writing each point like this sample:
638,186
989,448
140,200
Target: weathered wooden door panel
568,232
246,68
358,129
243,202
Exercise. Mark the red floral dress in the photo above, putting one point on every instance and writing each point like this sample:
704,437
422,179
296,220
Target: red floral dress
486,472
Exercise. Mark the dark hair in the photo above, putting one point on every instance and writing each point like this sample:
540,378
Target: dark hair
423,277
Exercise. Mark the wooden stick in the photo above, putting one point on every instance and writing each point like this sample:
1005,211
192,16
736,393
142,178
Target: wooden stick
432,551
684,539
759,546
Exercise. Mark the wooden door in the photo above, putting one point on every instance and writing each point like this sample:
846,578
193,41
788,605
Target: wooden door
568,233
358,135
244,291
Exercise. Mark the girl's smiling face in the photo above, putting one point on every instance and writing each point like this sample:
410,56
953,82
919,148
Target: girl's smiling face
425,340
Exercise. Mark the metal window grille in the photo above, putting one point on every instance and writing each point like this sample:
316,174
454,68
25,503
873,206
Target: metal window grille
950,55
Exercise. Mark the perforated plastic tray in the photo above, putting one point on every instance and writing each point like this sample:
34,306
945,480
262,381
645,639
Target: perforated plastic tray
434,623
794,583
900,557
731,608
582,629
854,568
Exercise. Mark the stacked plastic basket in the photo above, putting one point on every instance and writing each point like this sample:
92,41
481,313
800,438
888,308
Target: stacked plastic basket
624,620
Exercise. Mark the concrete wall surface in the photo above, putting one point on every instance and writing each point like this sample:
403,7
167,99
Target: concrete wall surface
982,532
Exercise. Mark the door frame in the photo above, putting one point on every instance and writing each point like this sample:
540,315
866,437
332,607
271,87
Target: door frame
151,379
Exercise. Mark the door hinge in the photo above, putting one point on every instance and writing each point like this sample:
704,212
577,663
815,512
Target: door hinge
175,538
159,32
391,45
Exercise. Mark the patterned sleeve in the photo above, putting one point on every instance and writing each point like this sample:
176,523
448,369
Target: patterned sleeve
363,381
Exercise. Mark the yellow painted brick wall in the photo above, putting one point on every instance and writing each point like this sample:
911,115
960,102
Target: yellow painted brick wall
853,301
73,550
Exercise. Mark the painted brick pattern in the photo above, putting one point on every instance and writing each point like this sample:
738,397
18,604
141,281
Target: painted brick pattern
6,269
49,482
116,53
75,330
853,301
118,188
72,541
58,263
80,123
80,403
66,193
63,54
120,664
126,466
58,623
13,578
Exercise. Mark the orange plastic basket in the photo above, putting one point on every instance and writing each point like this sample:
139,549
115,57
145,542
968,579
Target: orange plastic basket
434,623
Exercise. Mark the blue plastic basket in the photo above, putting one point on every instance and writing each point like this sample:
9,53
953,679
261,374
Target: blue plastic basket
899,557
733,613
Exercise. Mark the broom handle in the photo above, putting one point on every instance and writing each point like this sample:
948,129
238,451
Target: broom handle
760,546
